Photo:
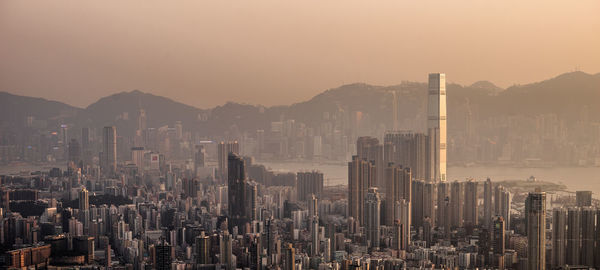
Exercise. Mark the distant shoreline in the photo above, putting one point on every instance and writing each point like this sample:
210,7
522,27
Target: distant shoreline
474,165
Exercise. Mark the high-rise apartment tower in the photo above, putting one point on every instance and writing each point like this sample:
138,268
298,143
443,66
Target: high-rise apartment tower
224,149
559,237
536,230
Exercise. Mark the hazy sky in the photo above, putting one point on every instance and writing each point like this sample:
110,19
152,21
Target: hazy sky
205,53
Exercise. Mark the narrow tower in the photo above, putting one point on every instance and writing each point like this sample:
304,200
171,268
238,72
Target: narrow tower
109,150
436,127
535,206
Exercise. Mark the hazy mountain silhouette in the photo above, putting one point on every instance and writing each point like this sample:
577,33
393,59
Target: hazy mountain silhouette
122,109
486,85
564,95
15,109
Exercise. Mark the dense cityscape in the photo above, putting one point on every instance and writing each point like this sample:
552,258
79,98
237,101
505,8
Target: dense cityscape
165,198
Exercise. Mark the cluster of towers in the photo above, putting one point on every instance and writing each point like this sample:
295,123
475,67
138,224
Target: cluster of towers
402,184
406,166
242,194
576,234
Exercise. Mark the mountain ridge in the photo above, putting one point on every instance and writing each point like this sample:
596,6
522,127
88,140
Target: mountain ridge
477,84
564,94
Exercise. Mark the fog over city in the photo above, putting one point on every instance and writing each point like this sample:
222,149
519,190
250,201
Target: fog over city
205,53
299,135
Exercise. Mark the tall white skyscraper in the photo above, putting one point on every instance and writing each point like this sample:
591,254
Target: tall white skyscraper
436,127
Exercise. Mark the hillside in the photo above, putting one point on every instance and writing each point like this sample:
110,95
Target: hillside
15,109
564,95
122,109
